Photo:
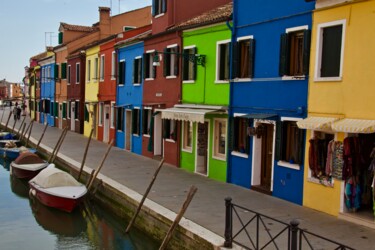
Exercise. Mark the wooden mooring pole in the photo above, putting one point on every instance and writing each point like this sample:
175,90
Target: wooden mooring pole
19,129
57,144
10,114
61,142
2,117
14,124
85,154
24,133
23,129
41,137
31,128
100,166
168,237
144,197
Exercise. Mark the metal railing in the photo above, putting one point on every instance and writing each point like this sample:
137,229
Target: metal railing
253,230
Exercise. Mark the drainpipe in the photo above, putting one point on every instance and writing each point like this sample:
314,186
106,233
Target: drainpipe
230,107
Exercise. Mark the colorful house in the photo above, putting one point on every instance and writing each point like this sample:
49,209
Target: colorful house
205,93
341,120
162,84
130,89
47,90
271,45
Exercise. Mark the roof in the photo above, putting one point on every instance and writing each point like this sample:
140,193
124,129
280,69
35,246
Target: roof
80,28
134,39
39,56
219,14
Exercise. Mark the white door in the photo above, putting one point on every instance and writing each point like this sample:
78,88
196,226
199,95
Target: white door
106,123
158,146
60,115
128,129
72,116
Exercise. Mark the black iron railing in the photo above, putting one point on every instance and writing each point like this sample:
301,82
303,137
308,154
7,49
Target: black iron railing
253,230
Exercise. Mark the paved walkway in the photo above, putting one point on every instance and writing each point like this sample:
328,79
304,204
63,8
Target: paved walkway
132,173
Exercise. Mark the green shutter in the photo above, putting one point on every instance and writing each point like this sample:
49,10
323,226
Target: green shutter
284,55
251,57
56,109
278,146
87,118
306,51
64,110
56,71
61,37
63,71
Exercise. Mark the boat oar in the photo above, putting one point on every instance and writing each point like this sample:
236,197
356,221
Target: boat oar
100,166
85,154
41,137
144,197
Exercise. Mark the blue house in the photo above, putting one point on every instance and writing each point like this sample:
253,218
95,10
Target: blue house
129,93
271,44
48,109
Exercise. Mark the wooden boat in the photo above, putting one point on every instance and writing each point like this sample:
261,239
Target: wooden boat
4,143
4,135
27,165
13,153
56,188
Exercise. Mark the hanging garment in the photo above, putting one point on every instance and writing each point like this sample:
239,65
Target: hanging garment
329,162
352,194
348,159
338,160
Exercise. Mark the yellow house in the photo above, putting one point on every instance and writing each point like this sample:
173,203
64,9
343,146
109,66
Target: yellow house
341,112
92,89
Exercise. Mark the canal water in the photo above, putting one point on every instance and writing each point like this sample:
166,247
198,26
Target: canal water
28,224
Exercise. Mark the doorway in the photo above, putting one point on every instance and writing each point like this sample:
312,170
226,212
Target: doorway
128,129
72,116
94,117
60,115
106,123
263,157
202,148
158,139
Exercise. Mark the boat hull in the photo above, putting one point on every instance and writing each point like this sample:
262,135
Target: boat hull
22,171
50,200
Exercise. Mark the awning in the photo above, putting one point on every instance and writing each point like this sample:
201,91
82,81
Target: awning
354,126
185,114
258,116
317,123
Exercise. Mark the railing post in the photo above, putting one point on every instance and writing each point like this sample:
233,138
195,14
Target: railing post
294,234
228,223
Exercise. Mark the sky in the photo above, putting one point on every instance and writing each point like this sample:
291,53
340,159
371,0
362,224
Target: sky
25,27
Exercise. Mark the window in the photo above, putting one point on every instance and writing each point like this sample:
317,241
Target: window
64,110
86,114
240,136
294,52
188,66
220,135
187,135
68,74
137,70
56,109
222,61
77,108
159,7
169,130
113,65
330,50
121,73
113,115
244,57
102,61
63,71
290,140
96,73
100,114
89,70
120,119
135,122
146,119
68,109
60,38
127,28
149,70
77,73
170,66
51,108
56,71
47,106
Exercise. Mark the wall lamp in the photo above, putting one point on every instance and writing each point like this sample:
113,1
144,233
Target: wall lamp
195,58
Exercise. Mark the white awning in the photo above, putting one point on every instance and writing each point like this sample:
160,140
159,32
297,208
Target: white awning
354,126
185,114
317,123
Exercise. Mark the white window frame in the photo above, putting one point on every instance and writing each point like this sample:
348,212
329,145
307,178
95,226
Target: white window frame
182,70
122,84
215,154
102,67
112,121
171,62
184,147
151,59
78,72
319,49
140,79
239,39
218,43
113,66
100,115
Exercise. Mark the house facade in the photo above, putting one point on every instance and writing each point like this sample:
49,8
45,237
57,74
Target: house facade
340,120
269,85
47,90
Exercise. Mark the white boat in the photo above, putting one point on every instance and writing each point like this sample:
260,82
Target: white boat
27,165
56,188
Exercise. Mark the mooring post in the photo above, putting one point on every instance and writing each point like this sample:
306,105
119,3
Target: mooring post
2,117
60,143
6,124
31,128
41,137
228,223
23,120
294,234
14,124
85,154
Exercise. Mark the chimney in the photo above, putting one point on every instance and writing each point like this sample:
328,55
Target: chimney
104,21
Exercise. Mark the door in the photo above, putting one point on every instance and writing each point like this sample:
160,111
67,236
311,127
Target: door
94,117
266,155
72,116
128,129
158,140
106,123
60,115
202,148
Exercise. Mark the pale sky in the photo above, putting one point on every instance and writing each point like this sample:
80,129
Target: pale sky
24,23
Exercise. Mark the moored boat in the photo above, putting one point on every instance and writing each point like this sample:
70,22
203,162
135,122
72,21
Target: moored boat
27,165
13,153
56,188
4,135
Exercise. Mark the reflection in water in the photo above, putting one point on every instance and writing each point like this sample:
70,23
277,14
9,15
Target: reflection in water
87,227
5,163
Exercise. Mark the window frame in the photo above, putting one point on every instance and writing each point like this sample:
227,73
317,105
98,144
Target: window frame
96,69
234,150
319,50
192,64
113,65
215,148
121,79
218,60
136,130
102,68
148,66
100,114
69,75
239,40
171,61
185,131
78,72
137,80
158,8
112,121
146,121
